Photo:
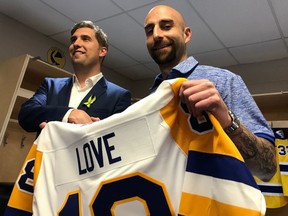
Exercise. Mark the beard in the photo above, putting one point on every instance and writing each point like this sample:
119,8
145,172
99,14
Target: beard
162,57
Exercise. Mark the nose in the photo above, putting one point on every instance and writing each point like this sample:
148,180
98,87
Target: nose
76,42
157,33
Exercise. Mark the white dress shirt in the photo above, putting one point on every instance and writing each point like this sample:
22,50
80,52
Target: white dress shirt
78,92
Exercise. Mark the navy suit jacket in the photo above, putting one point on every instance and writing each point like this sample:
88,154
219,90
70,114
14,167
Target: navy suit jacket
51,100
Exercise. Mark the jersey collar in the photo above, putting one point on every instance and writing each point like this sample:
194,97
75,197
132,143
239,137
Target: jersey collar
183,69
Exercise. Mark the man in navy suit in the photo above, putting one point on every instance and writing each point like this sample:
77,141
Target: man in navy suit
87,96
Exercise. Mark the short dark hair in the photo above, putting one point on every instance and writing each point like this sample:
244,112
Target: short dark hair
99,33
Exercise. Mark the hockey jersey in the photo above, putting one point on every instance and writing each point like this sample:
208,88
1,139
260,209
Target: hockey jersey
152,159
276,190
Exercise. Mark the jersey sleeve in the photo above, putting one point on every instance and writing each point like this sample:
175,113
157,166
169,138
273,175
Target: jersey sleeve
20,202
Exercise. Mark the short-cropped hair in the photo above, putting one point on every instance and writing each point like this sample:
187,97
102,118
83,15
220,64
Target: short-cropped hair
99,33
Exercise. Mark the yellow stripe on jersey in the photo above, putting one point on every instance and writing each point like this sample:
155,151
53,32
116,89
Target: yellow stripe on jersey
23,188
208,207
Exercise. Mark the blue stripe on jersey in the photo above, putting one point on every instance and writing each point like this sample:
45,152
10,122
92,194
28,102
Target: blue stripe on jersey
283,167
271,189
9,211
220,166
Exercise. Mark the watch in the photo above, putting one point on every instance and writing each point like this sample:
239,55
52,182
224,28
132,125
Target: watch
234,125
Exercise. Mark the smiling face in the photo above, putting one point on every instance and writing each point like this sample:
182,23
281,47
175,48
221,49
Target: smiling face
166,36
84,49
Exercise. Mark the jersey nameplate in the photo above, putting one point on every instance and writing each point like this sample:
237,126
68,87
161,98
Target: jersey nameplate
104,151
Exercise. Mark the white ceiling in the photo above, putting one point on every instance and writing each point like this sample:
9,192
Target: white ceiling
225,32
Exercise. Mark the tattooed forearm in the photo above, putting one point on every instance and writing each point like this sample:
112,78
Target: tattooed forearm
258,153
249,150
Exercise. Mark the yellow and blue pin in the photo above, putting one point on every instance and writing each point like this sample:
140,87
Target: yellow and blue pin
90,101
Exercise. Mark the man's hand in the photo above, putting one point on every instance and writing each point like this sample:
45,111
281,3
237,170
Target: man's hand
258,153
202,95
77,117
80,117
42,125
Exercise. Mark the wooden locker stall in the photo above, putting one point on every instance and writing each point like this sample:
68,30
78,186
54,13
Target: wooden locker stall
20,77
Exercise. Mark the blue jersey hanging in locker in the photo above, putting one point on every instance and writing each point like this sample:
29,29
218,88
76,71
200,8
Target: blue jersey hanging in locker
151,159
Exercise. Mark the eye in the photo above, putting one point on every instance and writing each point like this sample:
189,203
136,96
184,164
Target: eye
72,40
166,27
148,30
86,38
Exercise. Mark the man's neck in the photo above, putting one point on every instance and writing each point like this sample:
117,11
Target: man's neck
83,75
165,71
167,68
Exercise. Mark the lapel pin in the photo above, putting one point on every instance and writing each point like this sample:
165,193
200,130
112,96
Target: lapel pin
90,101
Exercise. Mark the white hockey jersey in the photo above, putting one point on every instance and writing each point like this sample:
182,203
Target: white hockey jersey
152,159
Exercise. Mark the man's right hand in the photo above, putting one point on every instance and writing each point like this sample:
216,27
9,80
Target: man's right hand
77,117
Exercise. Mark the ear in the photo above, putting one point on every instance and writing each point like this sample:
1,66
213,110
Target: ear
187,34
103,52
